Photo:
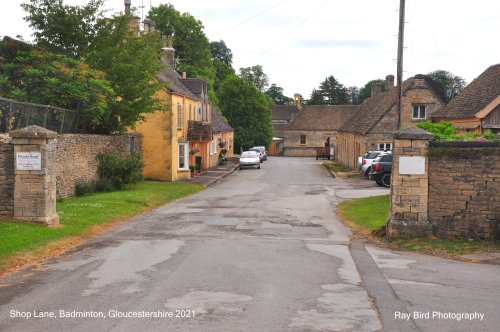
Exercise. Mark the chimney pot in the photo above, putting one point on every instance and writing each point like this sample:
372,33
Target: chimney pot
389,82
184,75
297,100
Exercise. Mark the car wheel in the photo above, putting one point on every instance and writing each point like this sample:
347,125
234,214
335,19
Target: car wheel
368,171
385,180
258,167
241,168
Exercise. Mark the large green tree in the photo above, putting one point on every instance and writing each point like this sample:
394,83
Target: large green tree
247,111
330,92
65,29
451,83
192,47
131,63
222,53
256,76
46,78
277,95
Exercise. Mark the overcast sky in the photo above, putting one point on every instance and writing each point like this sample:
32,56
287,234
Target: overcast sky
300,43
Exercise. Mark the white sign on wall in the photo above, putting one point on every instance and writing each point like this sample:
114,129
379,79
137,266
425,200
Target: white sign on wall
28,161
412,165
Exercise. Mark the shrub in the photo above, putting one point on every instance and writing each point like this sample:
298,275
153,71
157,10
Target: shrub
84,188
488,134
119,170
105,185
443,131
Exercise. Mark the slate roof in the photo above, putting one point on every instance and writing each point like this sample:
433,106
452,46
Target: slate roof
219,124
197,86
322,117
474,97
174,84
284,112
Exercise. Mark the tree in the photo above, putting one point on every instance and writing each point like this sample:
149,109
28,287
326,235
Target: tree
353,93
256,76
330,92
222,71
366,91
190,42
131,63
222,53
277,95
64,29
247,111
42,77
451,84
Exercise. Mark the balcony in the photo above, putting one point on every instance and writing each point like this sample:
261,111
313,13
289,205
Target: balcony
199,131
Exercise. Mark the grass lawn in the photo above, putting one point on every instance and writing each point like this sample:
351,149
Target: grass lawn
368,214
83,217
336,167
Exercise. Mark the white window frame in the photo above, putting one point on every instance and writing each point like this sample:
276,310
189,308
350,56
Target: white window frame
419,109
385,146
185,148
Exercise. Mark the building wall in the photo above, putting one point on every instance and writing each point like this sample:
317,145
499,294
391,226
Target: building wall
6,179
77,157
314,139
419,94
349,147
468,173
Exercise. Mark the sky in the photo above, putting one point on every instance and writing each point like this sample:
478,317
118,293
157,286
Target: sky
300,43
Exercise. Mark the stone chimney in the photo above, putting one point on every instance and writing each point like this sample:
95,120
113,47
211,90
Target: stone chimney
389,82
297,100
376,89
184,74
128,3
149,26
167,52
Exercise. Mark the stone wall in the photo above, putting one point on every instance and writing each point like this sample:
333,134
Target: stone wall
314,139
76,157
464,189
6,178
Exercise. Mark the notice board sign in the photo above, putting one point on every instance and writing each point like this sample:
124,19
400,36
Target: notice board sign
412,165
28,161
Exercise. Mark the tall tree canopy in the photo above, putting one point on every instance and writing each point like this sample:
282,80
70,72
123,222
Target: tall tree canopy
190,42
277,95
222,53
247,111
330,92
256,76
60,28
366,91
452,84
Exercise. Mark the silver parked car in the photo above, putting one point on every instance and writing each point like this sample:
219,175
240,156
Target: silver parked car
262,150
249,159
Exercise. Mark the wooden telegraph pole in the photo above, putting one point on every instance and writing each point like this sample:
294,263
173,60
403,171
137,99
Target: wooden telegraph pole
400,58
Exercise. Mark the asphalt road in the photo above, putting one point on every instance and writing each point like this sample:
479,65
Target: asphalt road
260,251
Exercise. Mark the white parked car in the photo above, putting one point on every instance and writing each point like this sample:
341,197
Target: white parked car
249,159
368,159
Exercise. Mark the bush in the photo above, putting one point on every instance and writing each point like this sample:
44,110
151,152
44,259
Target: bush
105,185
84,188
118,171
443,131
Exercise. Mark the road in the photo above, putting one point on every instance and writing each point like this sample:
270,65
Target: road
261,250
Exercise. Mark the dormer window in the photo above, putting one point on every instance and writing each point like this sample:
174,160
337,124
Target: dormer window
419,112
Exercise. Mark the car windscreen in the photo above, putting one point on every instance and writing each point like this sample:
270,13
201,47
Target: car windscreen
372,155
249,154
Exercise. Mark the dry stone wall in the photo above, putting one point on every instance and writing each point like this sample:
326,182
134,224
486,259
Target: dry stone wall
6,177
464,189
76,157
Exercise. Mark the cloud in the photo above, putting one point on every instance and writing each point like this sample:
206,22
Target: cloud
336,43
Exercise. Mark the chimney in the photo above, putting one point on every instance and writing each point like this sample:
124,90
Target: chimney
167,52
149,26
389,82
376,89
128,3
184,75
297,100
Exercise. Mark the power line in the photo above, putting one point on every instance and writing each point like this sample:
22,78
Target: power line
254,16
291,31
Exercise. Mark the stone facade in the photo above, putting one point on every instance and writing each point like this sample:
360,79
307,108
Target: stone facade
6,178
314,139
468,174
76,157
409,185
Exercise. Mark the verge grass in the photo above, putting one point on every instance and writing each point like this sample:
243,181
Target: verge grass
82,218
336,167
366,215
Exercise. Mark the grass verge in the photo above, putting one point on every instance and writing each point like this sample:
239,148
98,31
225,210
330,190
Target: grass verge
336,167
82,218
366,215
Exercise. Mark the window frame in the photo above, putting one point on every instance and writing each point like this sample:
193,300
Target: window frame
180,116
302,140
185,157
383,146
418,108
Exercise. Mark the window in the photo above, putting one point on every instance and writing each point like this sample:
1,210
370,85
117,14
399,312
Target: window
180,117
190,112
302,139
183,156
419,112
385,146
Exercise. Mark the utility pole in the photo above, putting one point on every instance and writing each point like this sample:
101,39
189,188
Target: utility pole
400,59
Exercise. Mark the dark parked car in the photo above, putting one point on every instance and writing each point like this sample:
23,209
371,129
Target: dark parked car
381,170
